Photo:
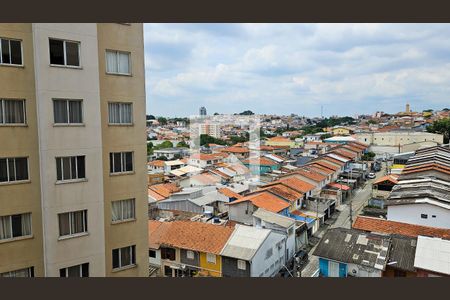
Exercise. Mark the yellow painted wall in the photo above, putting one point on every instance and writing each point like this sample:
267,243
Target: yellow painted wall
274,143
214,270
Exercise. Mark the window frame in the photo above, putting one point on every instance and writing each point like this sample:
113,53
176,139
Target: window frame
77,179
1,54
190,254
117,56
209,259
112,164
132,258
239,264
68,112
29,269
65,65
71,218
15,173
121,104
122,220
66,270
20,237
2,111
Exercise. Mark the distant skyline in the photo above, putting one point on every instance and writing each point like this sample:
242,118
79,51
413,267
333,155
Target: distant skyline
295,68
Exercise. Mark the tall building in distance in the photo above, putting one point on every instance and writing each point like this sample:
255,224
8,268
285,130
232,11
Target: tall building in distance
202,111
73,199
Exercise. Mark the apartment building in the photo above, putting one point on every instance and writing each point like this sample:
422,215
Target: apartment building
72,165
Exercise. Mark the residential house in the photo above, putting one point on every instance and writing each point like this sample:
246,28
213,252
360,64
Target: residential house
420,201
202,160
280,141
242,210
261,165
171,153
348,252
253,252
189,248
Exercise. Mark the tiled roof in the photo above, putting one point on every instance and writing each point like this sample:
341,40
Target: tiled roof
261,161
196,236
391,178
264,200
157,163
293,183
280,139
320,169
233,149
204,156
156,230
284,191
345,153
392,227
164,189
311,174
341,163
324,163
229,193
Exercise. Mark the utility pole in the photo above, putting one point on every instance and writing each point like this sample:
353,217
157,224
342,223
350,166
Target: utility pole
351,198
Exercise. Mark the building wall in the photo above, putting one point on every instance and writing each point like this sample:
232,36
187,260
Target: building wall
398,138
411,213
230,268
18,83
237,212
185,260
60,82
129,38
263,266
214,270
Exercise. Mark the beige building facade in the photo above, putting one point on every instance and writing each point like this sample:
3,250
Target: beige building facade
73,170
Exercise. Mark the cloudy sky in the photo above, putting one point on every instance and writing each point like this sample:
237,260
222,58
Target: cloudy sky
296,68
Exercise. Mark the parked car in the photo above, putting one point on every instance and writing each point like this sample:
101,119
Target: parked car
371,175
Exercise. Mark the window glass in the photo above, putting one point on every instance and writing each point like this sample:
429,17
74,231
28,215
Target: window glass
5,52
16,52
3,170
60,111
72,54
56,52
75,112
21,168
14,111
115,258
81,166
111,62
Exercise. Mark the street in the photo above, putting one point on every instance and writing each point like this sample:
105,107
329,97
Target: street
359,199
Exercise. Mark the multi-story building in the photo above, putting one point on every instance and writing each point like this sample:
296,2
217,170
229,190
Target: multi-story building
72,165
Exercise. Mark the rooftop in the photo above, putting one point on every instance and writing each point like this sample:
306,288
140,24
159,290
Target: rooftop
433,254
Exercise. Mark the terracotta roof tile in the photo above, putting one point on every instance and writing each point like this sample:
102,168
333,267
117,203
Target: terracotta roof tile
293,183
262,161
156,163
264,200
165,189
197,236
229,193
392,227
284,191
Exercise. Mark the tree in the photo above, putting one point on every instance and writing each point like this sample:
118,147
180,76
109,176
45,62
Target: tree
165,144
441,127
368,156
372,122
162,157
149,148
182,144
162,120
325,136
150,117
207,139
216,114
247,113
177,156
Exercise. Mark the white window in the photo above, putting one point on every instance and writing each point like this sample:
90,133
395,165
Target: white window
27,272
72,223
70,168
67,111
123,257
13,169
120,113
11,52
211,258
118,62
190,254
75,271
14,226
241,264
64,53
123,210
120,162
12,111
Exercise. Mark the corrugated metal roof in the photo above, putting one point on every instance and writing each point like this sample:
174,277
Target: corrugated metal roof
245,242
273,218
433,254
